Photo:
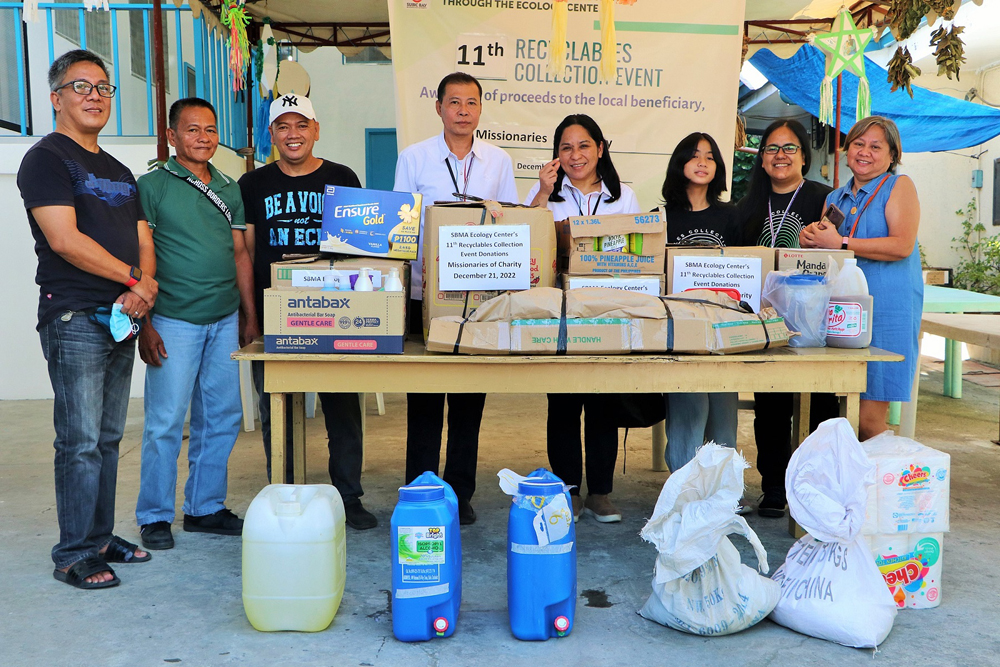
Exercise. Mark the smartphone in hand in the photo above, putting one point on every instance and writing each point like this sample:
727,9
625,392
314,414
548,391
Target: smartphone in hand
834,215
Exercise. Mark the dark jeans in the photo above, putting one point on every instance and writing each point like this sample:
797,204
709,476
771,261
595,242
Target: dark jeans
772,428
424,424
91,375
342,413
564,447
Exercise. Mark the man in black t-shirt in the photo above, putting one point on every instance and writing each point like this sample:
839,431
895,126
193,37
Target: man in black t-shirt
93,245
283,203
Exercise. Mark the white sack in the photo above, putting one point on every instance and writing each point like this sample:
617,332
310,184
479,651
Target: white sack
699,584
830,585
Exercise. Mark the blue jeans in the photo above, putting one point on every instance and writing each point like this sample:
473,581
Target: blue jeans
694,419
91,375
197,372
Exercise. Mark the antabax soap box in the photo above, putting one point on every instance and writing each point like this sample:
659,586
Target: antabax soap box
376,223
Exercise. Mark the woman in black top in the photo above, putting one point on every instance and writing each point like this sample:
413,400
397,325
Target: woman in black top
779,203
696,178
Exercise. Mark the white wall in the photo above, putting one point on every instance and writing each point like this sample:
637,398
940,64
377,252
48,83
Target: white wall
23,373
348,99
944,180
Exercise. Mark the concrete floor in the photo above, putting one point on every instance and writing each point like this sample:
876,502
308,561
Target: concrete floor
184,607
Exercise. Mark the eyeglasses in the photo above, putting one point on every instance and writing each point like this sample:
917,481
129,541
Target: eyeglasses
787,149
84,88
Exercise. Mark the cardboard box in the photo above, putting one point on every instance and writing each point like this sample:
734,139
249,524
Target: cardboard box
374,223
643,284
728,271
437,303
616,244
309,321
611,323
809,260
314,271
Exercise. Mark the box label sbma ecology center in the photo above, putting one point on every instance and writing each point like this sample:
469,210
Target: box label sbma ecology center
494,257
705,272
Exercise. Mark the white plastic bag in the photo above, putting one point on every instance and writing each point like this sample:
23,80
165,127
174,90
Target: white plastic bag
699,584
830,585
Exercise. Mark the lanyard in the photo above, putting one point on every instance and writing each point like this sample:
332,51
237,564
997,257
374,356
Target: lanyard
201,187
770,215
860,213
579,203
466,173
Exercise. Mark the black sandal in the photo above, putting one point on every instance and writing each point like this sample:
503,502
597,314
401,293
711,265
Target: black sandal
120,551
78,572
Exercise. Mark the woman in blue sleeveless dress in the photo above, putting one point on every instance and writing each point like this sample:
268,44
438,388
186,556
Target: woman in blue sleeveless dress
882,215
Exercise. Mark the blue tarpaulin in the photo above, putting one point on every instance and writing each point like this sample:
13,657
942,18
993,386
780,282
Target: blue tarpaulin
929,122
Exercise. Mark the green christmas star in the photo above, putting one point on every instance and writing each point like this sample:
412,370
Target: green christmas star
844,45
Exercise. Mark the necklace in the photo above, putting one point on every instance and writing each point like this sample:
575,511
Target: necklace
770,215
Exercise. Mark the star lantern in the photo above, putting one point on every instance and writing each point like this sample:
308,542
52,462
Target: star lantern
844,46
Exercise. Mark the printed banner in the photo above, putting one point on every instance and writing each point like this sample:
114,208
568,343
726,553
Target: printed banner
678,72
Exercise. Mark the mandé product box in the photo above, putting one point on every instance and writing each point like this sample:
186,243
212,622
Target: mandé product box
375,223
306,320
813,261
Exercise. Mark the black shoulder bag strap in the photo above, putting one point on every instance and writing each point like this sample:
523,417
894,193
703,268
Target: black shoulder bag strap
201,187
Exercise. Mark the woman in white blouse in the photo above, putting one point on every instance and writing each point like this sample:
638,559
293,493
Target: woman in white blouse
581,180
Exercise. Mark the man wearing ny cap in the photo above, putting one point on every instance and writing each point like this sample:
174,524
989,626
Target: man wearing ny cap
196,215
284,214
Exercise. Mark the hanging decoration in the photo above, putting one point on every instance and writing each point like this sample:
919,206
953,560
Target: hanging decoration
609,40
91,5
557,50
844,46
234,17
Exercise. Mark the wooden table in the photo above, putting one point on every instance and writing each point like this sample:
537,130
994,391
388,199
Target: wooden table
801,371
983,330
939,299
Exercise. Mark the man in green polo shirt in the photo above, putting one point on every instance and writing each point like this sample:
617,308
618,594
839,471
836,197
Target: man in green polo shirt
205,277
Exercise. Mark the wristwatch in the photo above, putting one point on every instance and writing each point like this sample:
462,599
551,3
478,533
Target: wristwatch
843,245
134,276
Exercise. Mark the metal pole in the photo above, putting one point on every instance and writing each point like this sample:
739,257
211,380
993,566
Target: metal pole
161,88
836,136
250,91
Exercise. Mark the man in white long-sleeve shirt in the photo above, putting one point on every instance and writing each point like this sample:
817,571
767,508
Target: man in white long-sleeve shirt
450,167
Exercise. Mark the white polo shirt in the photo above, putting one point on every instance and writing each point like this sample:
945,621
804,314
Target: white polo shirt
486,172
596,203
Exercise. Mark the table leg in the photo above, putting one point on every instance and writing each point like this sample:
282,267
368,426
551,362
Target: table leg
801,406
298,438
659,447
278,439
894,412
949,360
908,411
852,411
955,350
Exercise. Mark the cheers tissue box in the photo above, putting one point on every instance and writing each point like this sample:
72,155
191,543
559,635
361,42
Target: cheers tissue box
375,223
912,487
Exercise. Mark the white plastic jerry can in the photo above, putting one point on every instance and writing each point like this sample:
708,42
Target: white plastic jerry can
294,557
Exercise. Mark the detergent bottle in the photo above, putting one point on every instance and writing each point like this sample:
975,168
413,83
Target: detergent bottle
849,320
426,560
294,557
541,558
